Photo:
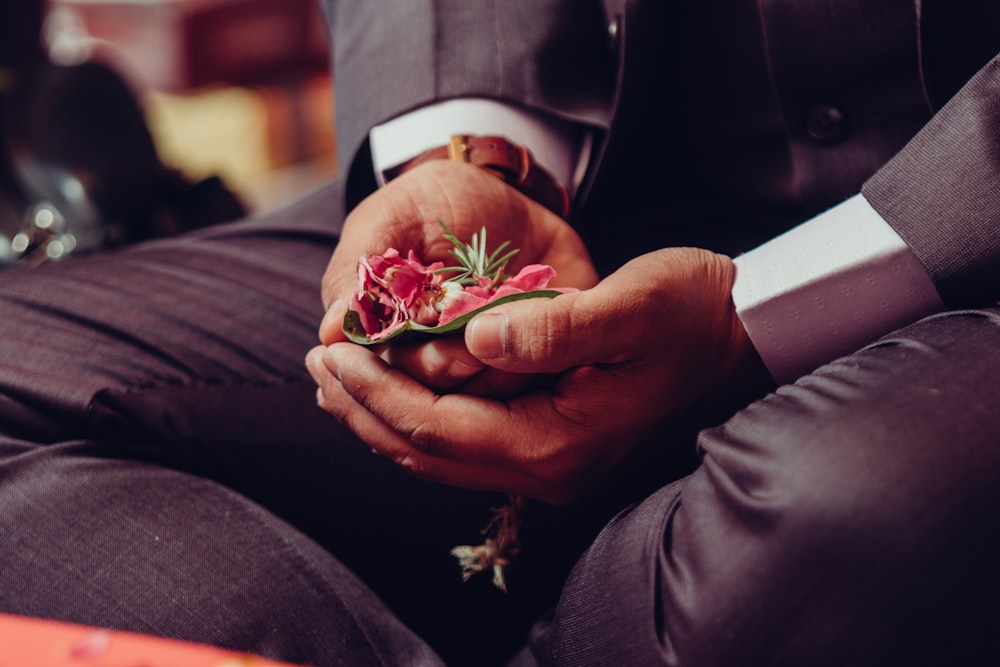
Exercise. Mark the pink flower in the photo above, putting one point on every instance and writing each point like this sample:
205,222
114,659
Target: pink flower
396,293
530,278
393,290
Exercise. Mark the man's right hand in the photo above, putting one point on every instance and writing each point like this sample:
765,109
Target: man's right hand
405,213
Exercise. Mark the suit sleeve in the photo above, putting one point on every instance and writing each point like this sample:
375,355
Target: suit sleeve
390,57
941,193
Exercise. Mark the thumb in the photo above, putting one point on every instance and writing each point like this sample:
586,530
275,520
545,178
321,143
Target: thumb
330,330
538,335
339,284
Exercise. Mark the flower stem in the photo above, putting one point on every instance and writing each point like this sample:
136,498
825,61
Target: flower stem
501,545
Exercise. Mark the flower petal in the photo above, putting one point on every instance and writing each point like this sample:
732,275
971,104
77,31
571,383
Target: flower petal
532,277
462,303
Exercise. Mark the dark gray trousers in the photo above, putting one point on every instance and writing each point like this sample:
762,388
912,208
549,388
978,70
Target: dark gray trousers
164,468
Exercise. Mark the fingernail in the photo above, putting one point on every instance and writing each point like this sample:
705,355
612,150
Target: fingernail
332,320
454,369
459,370
314,362
486,335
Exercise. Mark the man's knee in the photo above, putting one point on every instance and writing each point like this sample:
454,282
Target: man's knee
860,499
132,546
911,415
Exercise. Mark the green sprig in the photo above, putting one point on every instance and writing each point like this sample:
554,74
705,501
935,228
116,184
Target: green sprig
473,260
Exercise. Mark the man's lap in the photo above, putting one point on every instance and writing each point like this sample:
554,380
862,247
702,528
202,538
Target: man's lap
188,354
183,360
95,537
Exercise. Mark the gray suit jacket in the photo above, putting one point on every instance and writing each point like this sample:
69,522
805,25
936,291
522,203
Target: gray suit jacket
723,133
716,133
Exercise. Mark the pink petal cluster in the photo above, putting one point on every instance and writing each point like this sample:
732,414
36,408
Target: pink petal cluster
531,277
394,290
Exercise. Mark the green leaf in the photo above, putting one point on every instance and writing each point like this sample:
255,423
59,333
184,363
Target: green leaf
353,330
462,320
356,333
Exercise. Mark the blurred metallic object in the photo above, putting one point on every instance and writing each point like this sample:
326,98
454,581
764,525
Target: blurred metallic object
73,140
43,238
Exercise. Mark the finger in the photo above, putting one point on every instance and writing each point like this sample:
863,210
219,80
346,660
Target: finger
546,480
456,427
500,385
385,440
332,397
548,335
314,363
331,328
340,279
441,363
445,365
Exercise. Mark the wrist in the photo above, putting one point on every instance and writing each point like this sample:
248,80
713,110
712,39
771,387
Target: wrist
511,162
742,375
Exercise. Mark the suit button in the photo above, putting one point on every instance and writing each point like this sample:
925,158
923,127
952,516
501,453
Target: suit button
826,124
614,27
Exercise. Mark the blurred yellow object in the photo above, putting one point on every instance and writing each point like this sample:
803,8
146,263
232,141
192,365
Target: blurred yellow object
221,132
267,143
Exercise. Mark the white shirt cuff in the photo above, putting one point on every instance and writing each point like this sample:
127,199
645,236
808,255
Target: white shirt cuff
560,147
828,287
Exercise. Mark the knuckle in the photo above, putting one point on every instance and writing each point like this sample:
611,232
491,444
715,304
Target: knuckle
425,436
555,463
547,338
412,463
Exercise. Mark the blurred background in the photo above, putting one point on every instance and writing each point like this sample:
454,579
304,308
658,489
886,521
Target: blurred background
126,120
238,89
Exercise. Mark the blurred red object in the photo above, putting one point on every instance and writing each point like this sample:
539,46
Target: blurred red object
178,45
41,643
